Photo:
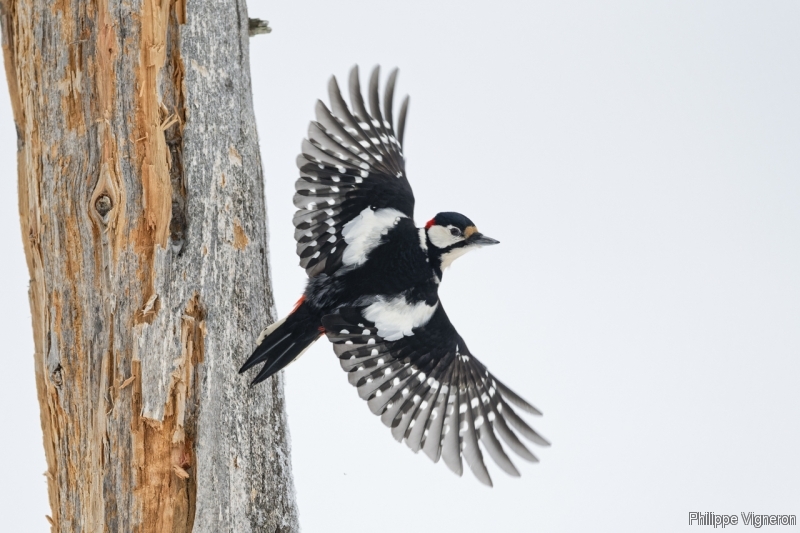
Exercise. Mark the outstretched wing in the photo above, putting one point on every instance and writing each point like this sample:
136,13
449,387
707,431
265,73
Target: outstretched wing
351,161
432,392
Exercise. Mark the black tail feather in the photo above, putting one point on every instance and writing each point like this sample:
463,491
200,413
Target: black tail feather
262,351
283,342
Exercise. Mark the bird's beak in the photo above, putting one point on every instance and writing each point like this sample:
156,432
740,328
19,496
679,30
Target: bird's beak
481,240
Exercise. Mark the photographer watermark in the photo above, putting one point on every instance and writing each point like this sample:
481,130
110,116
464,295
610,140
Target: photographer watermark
747,519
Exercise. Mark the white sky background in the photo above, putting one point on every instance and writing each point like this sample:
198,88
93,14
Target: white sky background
640,164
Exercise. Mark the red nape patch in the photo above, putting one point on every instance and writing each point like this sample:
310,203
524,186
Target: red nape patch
321,330
430,223
299,303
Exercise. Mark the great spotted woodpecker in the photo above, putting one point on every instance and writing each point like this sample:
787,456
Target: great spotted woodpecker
373,290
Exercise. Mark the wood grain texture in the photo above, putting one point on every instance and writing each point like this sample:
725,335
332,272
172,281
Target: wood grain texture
144,225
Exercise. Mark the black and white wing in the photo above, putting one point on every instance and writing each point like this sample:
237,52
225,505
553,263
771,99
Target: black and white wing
431,391
351,161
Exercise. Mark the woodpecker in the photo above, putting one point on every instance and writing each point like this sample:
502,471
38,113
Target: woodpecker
373,290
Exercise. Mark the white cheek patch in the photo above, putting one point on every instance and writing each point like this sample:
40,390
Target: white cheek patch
452,255
395,318
441,237
363,233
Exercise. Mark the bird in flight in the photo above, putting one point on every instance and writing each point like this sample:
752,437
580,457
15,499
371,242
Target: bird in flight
373,291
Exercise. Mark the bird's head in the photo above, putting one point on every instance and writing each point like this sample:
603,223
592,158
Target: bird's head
451,235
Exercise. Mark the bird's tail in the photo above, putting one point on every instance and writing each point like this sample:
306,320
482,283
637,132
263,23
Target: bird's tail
284,341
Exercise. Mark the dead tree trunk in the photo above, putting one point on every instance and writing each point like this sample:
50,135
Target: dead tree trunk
143,219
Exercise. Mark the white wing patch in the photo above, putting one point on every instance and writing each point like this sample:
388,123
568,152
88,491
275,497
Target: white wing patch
363,233
395,317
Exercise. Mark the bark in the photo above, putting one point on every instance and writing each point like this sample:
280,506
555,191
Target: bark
144,226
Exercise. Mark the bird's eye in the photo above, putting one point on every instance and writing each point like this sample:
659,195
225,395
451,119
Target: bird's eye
455,232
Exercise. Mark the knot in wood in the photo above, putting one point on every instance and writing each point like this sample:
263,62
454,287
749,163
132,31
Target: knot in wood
56,377
103,205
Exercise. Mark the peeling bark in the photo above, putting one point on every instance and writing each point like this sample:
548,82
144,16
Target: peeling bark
143,221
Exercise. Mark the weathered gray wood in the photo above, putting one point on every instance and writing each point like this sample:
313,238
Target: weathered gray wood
143,219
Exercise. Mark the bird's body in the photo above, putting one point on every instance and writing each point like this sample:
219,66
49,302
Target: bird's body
373,289
397,264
